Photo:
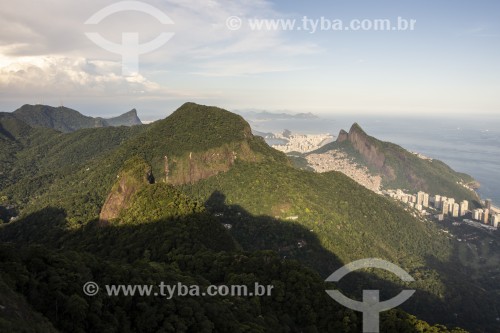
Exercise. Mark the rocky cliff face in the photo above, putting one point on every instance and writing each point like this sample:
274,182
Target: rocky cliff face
127,119
366,147
194,166
135,174
369,149
343,136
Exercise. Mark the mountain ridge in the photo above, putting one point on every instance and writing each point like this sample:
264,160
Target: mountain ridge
66,120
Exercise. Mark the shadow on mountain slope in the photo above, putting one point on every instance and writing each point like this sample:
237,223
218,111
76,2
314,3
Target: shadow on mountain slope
200,249
255,233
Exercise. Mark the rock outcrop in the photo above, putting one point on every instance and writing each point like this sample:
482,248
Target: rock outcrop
366,147
343,136
195,166
135,174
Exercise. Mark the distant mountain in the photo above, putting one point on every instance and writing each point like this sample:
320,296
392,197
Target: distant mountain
400,168
127,119
68,120
266,115
265,135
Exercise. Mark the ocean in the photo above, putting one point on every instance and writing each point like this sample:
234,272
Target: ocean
467,144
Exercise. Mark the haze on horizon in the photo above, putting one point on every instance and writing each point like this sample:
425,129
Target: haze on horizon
447,65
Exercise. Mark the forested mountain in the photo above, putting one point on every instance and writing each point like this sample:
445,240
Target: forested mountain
197,198
68,120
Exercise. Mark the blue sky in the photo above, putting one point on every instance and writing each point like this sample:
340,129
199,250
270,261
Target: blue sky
448,64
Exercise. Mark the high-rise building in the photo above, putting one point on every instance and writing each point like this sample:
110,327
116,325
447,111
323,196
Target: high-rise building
451,201
495,219
420,198
487,204
444,208
486,216
426,200
477,214
464,207
455,210
437,201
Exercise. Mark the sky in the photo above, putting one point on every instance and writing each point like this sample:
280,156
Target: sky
215,54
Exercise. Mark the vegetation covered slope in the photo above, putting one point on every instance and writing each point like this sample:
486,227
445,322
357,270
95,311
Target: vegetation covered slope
39,161
68,120
400,168
322,220
163,236
75,171
349,222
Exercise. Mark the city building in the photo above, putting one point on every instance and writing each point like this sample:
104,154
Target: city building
495,221
426,200
486,216
437,201
477,214
420,198
487,204
464,207
445,207
455,210
451,201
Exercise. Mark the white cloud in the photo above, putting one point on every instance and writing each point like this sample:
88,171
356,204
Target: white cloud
45,39
63,76
44,51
